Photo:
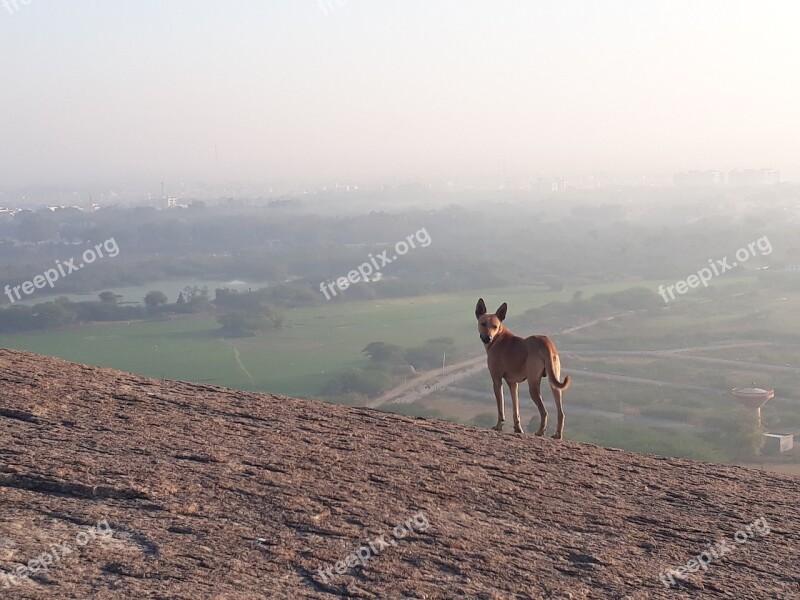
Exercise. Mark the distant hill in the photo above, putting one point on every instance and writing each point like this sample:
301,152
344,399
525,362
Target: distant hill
118,486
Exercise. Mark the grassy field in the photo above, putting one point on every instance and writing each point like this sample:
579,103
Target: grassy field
768,314
298,360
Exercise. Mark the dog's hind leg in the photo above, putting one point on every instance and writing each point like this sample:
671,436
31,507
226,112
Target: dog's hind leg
558,398
534,384
514,389
501,411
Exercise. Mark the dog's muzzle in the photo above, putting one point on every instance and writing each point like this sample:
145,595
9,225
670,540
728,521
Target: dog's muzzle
485,339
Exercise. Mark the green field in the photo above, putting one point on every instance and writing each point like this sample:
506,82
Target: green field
315,344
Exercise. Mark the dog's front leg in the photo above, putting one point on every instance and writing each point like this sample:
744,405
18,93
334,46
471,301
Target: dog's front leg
501,411
514,388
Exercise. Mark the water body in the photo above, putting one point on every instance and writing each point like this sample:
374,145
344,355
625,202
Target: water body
135,294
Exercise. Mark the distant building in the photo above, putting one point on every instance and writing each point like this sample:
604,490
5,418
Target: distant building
735,177
754,177
699,178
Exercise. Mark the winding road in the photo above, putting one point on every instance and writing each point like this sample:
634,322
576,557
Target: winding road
433,381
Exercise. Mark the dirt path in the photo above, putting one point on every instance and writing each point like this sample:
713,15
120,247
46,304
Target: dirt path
238,358
432,381
678,355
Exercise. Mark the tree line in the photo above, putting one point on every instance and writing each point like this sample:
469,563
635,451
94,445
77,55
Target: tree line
238,313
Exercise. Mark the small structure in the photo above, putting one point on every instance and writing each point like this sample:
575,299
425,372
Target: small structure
775,443
753,397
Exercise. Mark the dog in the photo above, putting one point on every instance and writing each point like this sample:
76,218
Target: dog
516,359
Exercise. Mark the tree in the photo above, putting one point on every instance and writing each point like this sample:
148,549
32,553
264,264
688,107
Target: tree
273,315
36,228
196,299
237,324
154,299
744,427
109,297
556,284
358,381
384,353
430,355
49,315
247,324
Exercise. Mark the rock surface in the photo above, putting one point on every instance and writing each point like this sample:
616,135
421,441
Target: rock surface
163,489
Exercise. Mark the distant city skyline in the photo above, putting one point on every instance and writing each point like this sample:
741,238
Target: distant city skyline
96,196
300,94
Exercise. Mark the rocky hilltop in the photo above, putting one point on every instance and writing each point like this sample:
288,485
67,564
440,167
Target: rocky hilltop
119,486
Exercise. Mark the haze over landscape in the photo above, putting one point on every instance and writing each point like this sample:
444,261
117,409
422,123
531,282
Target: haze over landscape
261,262
298,94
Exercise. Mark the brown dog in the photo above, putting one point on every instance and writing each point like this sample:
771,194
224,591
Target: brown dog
515,359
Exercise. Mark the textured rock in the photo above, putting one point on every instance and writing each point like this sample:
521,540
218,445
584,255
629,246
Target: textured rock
206,492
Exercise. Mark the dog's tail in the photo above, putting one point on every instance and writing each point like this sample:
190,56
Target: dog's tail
551,375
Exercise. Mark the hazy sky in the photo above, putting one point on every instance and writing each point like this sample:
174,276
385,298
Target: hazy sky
316,92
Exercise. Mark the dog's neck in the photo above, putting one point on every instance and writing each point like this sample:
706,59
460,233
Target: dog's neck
502,332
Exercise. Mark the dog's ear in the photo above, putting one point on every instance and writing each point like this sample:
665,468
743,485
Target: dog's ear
480,309
501,312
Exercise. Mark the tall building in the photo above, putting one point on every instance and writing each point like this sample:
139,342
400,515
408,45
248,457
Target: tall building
754,177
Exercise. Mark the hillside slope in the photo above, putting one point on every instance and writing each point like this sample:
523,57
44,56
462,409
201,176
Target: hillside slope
162,489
